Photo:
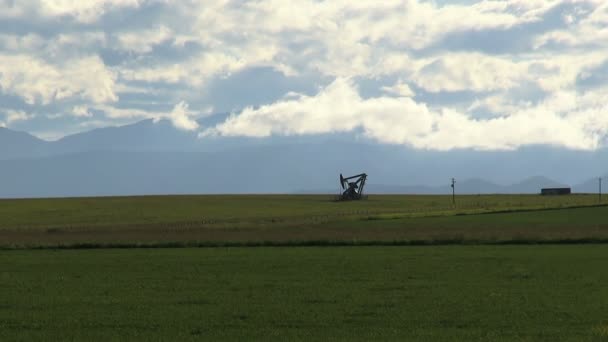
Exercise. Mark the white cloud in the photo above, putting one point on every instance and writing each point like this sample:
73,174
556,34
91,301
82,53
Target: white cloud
400,89
80,41
344,38
13,9
37,81
195,72
113,112
75,58
476,72
144,41
95,124
336,108
469,72
498,105
571,121
587,28
62,43
20,43
81,111
181,117
85,11
17,115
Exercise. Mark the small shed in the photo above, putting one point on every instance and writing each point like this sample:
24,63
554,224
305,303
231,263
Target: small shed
555,191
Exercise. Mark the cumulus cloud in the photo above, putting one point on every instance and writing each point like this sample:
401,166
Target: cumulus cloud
37,81
470,72
122,113
194,72
145,40
569,120
84,11
502,70
587,28
182,117
81,111
17,115
497,105
400,88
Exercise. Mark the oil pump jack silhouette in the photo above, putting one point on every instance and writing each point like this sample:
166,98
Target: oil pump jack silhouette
353,190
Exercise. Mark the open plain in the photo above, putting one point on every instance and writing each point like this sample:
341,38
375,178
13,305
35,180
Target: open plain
421,293
299,220
516,267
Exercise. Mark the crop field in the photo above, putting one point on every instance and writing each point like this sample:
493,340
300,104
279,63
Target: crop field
299,220
421,293
502,267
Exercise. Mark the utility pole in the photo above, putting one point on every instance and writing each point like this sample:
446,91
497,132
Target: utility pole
600,190
453,191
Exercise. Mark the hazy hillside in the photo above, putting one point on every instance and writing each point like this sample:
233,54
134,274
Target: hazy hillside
592,185
20,144
154,157
142,136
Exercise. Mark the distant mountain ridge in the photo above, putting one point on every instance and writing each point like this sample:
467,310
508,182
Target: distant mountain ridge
14,144
143,136
151,157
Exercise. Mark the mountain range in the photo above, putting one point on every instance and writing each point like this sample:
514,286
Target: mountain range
152,157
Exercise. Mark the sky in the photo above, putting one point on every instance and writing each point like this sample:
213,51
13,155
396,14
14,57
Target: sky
434,75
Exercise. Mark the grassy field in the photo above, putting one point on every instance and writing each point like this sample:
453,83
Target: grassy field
484,278
252,210
432,293
303,220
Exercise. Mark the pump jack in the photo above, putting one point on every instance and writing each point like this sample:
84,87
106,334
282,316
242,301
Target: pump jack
353,190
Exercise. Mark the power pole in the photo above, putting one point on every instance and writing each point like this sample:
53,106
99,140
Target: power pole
600,190
453,191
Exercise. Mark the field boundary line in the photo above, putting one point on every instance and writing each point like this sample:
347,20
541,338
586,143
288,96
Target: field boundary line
399,216
313,243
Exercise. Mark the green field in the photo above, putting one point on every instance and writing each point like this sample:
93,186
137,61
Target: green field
503,267
433,293
255,220
253,209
